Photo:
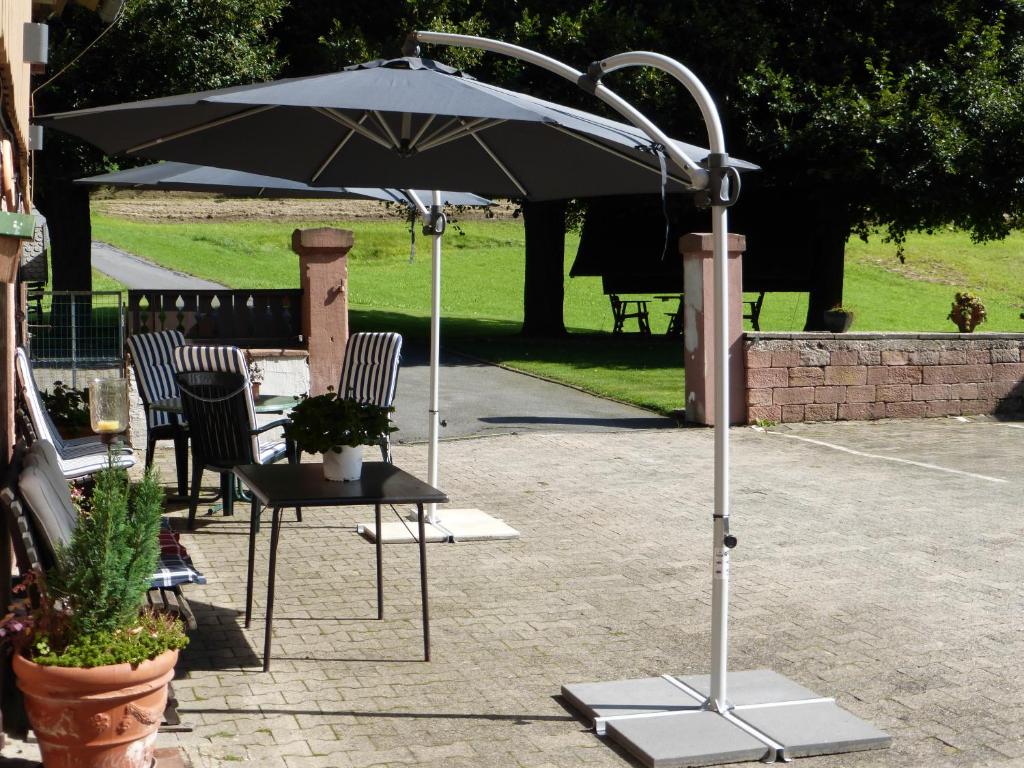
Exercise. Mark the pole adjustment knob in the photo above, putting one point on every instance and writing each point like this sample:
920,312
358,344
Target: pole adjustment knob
730,541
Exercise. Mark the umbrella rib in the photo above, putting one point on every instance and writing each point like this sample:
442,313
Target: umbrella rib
618,153
200,128
387,130
439,131
330,157
480,124
337,149
357,127
421,131
500,164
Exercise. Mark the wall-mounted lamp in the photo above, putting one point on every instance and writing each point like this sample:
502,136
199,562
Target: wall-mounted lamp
36,46
35,137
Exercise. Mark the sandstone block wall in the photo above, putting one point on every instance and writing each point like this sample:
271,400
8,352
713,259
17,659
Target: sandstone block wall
856,376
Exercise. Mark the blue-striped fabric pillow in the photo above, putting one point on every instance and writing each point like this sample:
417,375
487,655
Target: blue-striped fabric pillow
154,370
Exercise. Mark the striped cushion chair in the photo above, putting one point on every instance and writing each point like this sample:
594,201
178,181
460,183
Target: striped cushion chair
216,396
77,457
369,373
154,372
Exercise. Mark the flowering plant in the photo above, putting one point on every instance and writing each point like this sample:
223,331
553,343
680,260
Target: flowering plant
967,312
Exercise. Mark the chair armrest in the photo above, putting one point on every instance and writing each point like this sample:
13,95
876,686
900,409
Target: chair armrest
270,425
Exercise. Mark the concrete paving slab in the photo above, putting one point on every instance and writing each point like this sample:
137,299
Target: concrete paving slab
754,686
686,739
816,728
618,698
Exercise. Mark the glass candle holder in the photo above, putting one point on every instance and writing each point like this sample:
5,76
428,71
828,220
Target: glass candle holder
108,406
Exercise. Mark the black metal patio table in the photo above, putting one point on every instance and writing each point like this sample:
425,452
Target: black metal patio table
303,485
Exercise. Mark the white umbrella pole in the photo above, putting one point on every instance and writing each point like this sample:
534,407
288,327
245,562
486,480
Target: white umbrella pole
435,350
720,575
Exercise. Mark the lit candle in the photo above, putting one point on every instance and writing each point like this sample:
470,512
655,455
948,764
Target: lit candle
108,425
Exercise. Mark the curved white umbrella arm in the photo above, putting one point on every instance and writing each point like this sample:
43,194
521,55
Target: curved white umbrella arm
724,190
697,175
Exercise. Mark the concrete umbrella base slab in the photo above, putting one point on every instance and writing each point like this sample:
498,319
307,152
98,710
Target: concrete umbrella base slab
665,723
453,525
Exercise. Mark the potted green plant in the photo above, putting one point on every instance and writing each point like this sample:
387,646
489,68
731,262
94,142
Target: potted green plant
93,666
338,427
255,374
967,312
838,319
69,409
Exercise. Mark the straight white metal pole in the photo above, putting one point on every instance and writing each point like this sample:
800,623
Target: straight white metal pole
435,354
720,575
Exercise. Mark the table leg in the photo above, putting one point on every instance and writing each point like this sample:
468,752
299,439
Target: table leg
275,534
423,583
380,571
254,527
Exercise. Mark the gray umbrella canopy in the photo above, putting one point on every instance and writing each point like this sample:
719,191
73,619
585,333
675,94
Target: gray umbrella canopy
407,122
203,178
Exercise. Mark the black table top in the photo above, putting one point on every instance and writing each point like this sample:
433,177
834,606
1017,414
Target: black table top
303,485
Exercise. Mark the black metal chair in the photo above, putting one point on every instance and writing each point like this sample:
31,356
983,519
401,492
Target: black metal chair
216,396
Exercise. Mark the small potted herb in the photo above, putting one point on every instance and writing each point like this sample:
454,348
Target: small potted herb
255,374
967,312
338,427
93,667
838,319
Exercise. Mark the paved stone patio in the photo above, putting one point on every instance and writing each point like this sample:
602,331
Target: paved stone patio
879,563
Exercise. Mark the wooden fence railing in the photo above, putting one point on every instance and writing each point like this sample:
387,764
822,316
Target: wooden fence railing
242,317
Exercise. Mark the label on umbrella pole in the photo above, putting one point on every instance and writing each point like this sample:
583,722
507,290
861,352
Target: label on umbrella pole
721,564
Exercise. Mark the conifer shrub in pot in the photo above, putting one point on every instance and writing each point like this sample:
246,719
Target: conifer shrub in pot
92,665
338,427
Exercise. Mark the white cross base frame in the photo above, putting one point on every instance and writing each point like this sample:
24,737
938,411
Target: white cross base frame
665,721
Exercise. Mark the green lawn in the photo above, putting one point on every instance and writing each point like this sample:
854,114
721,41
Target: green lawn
482,292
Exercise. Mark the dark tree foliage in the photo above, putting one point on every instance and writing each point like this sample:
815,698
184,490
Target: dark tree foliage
157,48
863,113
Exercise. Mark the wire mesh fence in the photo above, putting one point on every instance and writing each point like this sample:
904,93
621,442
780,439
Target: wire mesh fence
76,336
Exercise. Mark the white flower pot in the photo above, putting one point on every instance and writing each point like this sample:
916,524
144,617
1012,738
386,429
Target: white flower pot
344,466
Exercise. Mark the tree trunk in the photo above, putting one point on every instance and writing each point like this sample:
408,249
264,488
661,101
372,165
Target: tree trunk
66,207
829,236
544,280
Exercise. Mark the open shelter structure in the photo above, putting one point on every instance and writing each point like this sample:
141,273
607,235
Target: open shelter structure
415,122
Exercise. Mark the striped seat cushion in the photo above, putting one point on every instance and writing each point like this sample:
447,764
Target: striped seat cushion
369,372
73,458
175,566
154,370
44,426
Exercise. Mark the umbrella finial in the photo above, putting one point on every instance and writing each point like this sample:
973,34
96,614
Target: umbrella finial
411,46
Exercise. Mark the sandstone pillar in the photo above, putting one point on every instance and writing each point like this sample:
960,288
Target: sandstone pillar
323,273
699,328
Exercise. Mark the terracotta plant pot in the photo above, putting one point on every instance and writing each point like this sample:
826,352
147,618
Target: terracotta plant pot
104,717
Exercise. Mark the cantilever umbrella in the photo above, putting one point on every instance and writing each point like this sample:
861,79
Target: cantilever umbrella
204,178
406,122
